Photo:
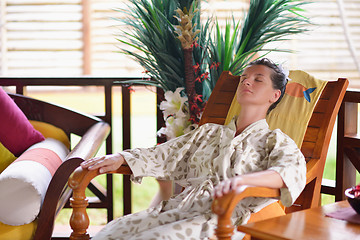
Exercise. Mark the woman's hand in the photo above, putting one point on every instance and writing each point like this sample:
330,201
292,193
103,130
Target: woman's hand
228,185
267,178
105,163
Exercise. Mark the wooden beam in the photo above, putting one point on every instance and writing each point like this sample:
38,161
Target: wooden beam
86,36
126,116
109,142
3,38
347,126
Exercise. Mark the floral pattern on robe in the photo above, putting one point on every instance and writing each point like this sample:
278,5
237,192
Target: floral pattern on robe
198,161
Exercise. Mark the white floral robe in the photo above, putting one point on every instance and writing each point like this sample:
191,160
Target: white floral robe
198,161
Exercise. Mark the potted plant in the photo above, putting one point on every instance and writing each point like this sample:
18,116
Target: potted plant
184,54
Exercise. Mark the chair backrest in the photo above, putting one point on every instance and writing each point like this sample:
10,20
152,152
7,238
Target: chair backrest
316,141
220,100
317,136
50,113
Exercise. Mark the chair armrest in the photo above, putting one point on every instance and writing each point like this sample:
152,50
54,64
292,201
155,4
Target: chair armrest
90,142
58,194
224,207
86,148
78,182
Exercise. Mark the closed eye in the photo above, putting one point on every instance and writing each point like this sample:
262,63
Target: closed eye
243,78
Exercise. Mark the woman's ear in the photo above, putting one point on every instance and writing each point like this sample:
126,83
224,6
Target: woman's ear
276,95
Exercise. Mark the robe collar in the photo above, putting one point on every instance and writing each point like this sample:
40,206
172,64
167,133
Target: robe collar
255,126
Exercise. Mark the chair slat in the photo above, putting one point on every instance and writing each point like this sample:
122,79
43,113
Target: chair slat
220,100
316,120
216,120
307,149
321,106
230,85
312,134
219,110
225,98
330,87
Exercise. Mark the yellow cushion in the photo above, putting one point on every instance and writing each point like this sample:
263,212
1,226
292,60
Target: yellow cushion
23,232
294,111
51,131
6,157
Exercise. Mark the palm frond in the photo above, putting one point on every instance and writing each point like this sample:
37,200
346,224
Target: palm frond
152,41
266,21
152,37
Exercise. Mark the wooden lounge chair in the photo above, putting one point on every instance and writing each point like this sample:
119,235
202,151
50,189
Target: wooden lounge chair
314,147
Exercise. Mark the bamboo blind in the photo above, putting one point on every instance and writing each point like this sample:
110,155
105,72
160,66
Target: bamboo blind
78,37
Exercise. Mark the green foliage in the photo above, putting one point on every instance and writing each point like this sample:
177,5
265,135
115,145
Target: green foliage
266,21
153,34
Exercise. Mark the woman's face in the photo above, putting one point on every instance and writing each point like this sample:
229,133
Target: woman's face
256,88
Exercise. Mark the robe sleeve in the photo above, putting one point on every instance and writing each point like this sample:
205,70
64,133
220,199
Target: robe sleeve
286,159
167,161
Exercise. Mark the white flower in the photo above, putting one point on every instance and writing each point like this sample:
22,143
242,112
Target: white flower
174,104
285,71
176,115
175,127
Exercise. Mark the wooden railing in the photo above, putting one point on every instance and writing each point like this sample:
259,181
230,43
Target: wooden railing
348,146
106,198
348,140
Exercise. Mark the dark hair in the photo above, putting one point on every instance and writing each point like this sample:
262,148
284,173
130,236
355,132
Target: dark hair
278,78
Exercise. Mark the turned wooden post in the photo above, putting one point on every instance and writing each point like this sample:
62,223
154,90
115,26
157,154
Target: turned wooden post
79,220
78,182
225,227
222,207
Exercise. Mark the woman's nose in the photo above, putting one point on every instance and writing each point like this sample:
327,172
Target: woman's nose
246,82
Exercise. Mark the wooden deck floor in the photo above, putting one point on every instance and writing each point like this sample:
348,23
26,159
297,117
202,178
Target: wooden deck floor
63,231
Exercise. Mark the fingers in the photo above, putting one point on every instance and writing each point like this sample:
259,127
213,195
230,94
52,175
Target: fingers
106,169
227,186
105,163
91,163
222,188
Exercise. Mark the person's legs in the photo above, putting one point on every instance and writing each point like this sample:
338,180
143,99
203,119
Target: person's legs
123,227
164,193
150,224
190,229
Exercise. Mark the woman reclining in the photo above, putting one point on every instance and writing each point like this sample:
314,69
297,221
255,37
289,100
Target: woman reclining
211,161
